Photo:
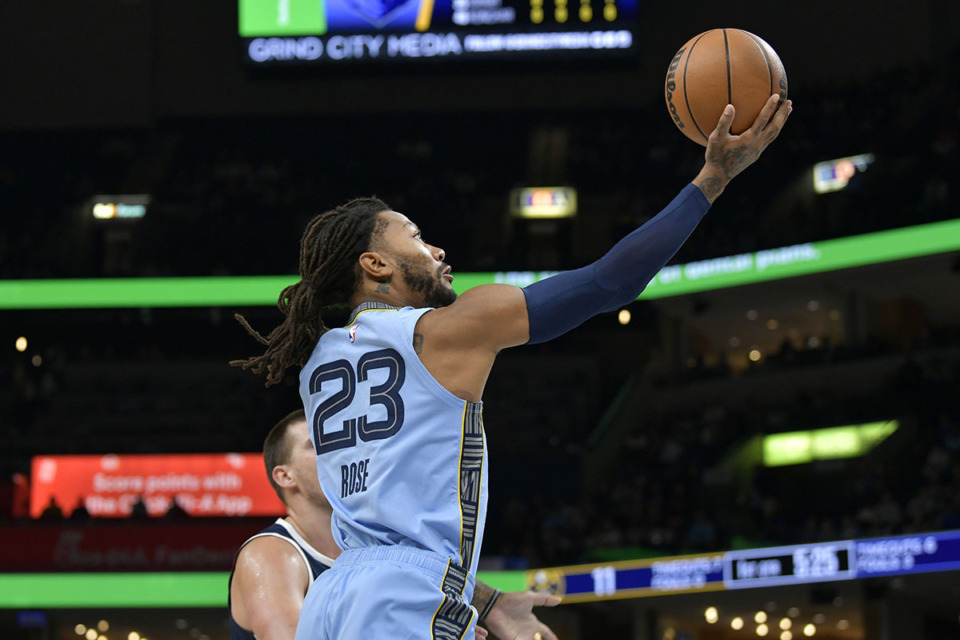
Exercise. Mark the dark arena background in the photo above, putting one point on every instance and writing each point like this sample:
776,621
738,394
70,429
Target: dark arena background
765,444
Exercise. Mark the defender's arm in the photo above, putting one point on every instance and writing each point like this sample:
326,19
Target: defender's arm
270,582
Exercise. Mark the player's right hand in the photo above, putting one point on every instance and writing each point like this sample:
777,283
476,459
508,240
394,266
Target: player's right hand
727,155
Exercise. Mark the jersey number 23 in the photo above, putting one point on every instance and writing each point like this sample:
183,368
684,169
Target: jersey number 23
386,394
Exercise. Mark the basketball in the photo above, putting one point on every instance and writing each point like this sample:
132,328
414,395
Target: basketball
717,68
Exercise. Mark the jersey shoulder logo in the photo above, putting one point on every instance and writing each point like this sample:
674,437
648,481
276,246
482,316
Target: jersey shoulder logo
353,332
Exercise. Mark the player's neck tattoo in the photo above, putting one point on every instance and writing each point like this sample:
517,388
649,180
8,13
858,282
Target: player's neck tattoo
418,342
383,287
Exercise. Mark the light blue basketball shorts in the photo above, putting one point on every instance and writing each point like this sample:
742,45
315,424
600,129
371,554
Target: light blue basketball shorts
389,592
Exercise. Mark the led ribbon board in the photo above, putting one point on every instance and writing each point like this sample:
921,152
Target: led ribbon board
750,568
143,590
693,277
780,566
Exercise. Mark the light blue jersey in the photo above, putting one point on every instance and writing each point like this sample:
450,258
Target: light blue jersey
401,459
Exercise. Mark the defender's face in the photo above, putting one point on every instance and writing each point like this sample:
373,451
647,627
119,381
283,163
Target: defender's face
303,462
420,264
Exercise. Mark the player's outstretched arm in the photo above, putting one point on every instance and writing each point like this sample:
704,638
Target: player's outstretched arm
269,585
458,343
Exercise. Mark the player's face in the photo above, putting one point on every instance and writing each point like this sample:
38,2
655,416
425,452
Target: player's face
420,264
303,463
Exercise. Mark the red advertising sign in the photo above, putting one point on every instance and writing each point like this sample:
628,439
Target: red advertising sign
224,484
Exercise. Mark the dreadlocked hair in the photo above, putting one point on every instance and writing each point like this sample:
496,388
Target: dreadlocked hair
329,270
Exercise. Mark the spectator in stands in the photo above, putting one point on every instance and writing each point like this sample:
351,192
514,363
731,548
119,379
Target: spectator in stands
52,511
139,510
176,511
80,513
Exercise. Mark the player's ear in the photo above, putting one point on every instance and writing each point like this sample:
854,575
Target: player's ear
375,266
282,476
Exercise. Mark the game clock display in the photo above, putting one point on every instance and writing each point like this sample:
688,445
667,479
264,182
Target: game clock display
277,32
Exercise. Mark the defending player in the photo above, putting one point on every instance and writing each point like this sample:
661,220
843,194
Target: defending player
393,398
275,568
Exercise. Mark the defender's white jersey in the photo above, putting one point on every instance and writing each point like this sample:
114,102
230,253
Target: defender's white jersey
401,459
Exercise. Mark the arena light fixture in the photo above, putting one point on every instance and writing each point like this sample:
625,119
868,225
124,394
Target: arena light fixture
800,447
544,202
834,175
119,207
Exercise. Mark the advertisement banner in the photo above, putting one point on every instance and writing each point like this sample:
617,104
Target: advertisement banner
223,484
153,545
673,280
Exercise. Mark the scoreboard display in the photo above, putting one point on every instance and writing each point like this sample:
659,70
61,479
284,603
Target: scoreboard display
770,567
331,32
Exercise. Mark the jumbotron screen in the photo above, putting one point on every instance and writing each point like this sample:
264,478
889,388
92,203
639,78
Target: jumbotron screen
334,32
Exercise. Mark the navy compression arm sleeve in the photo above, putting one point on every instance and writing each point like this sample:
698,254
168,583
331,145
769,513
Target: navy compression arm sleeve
560,303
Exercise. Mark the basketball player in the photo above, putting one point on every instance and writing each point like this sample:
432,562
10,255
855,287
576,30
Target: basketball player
393,398
274,568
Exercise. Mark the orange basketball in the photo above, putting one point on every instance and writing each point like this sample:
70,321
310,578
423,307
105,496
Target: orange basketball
717,68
